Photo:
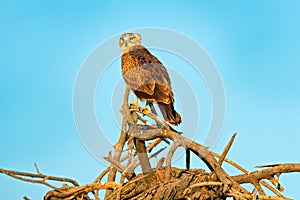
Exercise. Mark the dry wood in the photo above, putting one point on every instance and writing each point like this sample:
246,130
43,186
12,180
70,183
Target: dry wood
262,197
163,182
103,173
83,190
266,173
264,183
20,175
121,142
224,154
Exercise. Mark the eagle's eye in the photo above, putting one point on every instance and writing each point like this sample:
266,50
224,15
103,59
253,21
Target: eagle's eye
132,39
121,41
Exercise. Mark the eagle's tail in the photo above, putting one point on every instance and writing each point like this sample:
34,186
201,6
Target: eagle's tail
169,113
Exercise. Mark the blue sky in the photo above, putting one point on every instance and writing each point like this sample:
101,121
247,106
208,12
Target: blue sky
254,44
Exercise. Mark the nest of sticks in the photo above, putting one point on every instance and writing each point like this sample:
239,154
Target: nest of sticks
163,181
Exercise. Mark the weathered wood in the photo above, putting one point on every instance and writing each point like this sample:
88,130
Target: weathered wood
163,182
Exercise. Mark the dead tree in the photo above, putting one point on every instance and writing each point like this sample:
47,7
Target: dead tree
163,181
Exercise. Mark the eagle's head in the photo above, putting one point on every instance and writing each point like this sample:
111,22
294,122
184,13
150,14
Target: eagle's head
128,40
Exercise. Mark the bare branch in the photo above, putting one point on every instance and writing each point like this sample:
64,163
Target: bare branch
264,183
266,173
226,149
169,160
121,142
18,175
115,163
103,173
196,148
160,163
80,190
258,187
204,184
165,181
36,168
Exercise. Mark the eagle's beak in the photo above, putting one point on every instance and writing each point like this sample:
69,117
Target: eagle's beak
125,43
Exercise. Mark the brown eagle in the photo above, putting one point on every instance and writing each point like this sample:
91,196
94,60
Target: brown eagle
146,76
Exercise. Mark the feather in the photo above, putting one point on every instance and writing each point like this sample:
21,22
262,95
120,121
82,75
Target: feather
149,80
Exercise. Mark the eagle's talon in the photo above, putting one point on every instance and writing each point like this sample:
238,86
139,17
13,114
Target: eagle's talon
145,109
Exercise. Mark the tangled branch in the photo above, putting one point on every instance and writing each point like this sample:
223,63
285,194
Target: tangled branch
134,148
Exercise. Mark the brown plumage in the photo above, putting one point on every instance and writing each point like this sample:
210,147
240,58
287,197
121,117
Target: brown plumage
147,76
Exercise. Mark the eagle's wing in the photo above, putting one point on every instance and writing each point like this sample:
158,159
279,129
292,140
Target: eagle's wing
144,73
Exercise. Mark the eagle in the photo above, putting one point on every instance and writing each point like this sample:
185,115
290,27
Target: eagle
147,77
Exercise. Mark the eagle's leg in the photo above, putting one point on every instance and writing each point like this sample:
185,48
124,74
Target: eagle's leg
152,108
134,104
146,109
150,103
